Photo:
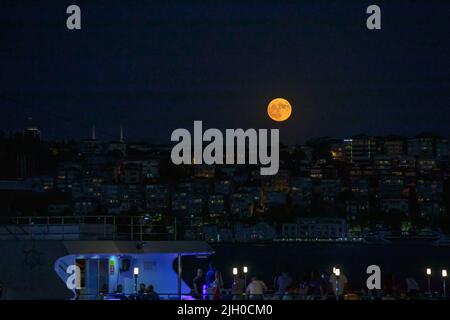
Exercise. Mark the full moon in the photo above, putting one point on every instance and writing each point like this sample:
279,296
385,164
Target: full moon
279,109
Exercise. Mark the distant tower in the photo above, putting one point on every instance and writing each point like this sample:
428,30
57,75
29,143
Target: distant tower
118,145
91,145
31,130
121,134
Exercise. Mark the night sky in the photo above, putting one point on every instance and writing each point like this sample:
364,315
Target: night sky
157,66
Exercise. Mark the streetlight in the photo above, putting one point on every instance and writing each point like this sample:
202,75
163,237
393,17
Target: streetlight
245,269
429,280
444,276
337,273
136,274
238,278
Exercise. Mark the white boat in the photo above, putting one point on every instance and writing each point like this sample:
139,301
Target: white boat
39,266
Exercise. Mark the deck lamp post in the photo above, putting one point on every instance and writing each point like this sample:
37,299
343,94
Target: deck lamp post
429,280
136,274
444,285
337,273
245,269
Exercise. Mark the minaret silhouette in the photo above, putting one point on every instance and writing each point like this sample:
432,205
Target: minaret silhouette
121,134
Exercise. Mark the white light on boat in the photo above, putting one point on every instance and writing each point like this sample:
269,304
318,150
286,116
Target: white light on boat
429,271
235,271
444,273
136,271
245,269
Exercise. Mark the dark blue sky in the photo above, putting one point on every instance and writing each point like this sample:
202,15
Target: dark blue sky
156,66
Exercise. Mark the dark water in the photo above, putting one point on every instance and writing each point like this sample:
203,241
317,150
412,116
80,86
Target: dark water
264,260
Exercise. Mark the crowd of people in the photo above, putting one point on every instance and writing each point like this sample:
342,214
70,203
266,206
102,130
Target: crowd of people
211,286
312,286
144,293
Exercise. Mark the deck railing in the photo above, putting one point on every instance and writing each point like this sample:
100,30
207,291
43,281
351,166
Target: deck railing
137,228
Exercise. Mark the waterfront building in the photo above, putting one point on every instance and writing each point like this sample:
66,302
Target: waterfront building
277,183
337,150
84,206
195,185
391,186
42,183
117,208
180,202
360,149
59,209
273,199
420,146
394,148
216,206
195,208
356,208
130,172
289,230
315,228
242,205
16,185
329,189
443,150
223,187
382,163
395,204
261,232
301,191
150,169
204,171
429,189
404,162
157,197
431,209
360,187
316,172
214,233
67,175
425,165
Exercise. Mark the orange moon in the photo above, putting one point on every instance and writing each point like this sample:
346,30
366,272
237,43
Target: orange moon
279,109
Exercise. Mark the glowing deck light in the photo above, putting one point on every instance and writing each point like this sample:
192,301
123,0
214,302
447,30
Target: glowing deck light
245,270
136,271
235,271
337,272
444,273
429,271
